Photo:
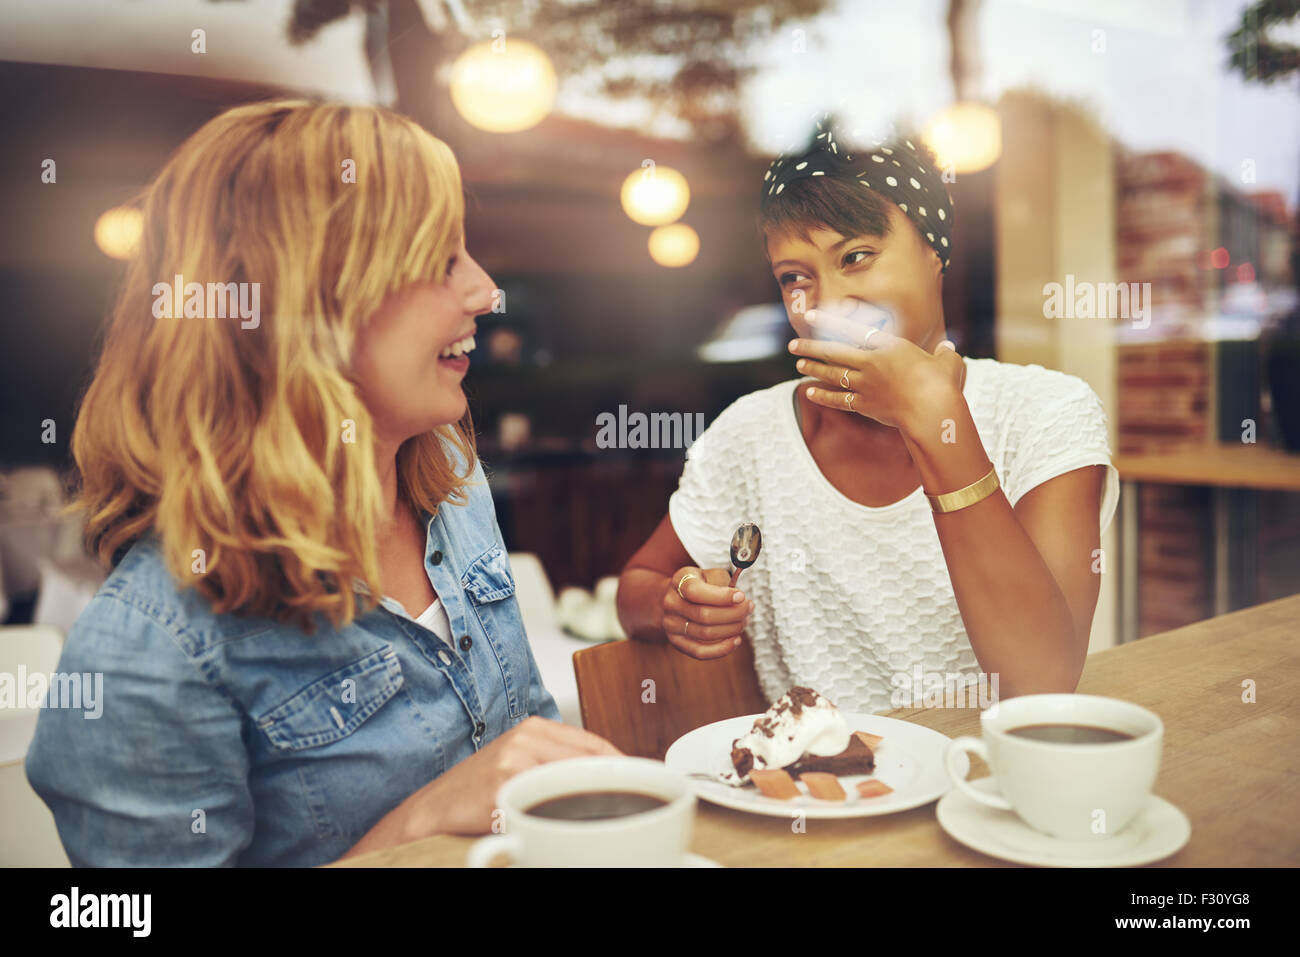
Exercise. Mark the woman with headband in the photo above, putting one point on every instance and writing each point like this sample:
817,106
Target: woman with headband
921,511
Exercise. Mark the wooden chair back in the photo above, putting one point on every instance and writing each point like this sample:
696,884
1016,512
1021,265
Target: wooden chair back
643,719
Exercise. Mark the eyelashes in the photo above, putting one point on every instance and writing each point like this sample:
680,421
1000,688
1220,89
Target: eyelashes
786,278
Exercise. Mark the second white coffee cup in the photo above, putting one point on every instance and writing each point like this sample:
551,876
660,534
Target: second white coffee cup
1076,792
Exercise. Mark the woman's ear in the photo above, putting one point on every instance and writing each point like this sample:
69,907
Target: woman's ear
935,265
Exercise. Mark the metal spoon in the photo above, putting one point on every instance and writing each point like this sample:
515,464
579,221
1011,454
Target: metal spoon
745,546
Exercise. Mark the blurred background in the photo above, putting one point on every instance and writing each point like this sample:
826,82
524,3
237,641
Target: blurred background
613,152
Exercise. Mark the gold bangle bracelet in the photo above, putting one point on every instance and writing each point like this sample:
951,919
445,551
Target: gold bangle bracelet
965,497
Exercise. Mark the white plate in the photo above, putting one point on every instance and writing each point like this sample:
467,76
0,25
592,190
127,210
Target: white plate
1158,831
909,759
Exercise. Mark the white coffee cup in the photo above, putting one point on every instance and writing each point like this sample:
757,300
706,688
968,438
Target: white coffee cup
655,838
1076,792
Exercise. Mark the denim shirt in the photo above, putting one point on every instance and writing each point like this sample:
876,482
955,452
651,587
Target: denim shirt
230,740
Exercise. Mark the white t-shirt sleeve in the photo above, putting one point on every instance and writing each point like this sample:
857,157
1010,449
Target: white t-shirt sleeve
708,505
1064,429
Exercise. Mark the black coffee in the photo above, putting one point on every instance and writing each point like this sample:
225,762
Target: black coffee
1070,734
596,805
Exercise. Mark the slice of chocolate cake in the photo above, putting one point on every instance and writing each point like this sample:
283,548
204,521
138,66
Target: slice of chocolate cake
801,723
857,758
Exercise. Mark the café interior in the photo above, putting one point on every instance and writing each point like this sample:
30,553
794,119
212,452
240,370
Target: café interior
1085,146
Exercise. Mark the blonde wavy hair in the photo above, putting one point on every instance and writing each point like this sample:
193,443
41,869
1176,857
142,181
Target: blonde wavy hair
231,439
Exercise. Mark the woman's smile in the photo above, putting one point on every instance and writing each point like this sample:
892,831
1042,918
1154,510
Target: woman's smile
455,356
458,364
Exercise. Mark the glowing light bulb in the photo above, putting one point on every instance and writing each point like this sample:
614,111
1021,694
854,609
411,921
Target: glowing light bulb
674,246
966,137
503,86
655,195
118,231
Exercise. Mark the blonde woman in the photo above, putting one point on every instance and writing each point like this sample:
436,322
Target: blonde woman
253,479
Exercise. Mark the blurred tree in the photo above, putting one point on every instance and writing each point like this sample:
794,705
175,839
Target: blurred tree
1263,60
690,55
1254,54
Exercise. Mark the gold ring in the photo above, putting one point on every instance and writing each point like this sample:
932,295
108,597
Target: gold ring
844,379
682,582
848,399
867,338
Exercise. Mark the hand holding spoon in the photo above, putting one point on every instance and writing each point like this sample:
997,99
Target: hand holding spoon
745,546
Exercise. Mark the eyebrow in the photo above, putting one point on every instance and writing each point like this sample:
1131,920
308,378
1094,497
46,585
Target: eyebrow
834,246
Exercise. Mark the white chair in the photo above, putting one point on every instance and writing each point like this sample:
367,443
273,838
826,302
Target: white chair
28,836
552,648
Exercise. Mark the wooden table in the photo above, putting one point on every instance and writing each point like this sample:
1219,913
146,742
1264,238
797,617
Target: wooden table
1233,768
1233,470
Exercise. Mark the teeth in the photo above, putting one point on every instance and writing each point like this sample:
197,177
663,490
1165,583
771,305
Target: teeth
463,347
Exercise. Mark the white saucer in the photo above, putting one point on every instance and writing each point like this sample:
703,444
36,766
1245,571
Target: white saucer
1158,831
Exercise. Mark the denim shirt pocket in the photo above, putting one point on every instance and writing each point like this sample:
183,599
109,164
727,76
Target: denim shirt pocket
488,579
334,706
491,591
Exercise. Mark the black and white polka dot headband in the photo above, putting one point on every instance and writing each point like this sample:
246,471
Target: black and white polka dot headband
895,169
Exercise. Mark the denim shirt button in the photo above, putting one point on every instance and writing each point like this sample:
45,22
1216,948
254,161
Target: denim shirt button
479,729
436,558
466,642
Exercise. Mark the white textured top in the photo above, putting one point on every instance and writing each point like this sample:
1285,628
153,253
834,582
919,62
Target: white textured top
850,599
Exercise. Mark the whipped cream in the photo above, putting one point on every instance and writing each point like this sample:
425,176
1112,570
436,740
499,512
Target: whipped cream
800,722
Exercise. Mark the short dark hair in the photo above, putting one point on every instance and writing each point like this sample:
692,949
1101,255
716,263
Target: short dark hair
840,203
835,201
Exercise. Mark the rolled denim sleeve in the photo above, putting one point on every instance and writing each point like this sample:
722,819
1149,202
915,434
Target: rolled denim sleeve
160,776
